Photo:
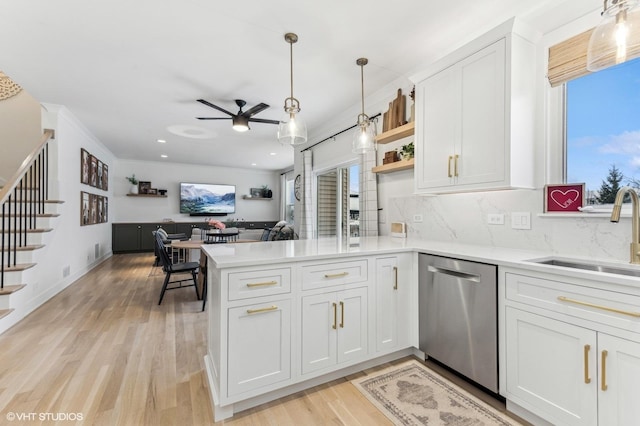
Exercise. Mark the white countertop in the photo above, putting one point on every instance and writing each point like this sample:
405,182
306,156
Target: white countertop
291,251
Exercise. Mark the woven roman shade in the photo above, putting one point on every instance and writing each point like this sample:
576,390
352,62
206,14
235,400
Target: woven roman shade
568,60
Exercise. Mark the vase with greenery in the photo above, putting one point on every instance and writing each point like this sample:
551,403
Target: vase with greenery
134,184
266,192
407,151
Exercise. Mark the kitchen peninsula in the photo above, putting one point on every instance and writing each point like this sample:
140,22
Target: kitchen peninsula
288,315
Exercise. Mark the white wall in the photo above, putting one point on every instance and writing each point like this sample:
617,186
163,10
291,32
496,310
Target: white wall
169,175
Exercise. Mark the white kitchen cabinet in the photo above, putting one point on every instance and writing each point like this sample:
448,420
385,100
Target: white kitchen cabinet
618,404
572,349
547,368
259,345
334,328
393,292
475,114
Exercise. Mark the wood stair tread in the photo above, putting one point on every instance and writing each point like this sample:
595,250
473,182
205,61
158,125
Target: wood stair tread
9,289
5,312
29,231
29,247
36,215
19,267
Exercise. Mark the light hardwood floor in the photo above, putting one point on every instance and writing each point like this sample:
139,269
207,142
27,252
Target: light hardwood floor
105,350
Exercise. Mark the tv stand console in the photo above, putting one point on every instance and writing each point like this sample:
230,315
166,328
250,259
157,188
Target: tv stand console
135,237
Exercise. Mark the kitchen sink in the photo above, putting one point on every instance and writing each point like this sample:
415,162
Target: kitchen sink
588,266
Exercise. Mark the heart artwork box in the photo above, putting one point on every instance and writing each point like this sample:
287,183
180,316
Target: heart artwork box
564,198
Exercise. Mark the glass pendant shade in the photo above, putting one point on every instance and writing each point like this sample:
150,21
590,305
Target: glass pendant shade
364,138
617,38
292,130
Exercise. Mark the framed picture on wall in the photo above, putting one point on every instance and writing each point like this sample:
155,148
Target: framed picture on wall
143,187
93,171
564,197
99,175
106,210
93,209
84,208
84,166
105,177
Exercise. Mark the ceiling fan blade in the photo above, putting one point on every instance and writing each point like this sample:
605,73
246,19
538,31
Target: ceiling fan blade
213,118
262,120
254,110
209,104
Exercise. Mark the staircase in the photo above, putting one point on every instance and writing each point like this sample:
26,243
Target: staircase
26,217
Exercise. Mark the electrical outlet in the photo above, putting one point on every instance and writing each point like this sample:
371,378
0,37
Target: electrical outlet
417,218
521,220
495,218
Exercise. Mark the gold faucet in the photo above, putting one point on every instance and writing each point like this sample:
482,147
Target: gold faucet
635,218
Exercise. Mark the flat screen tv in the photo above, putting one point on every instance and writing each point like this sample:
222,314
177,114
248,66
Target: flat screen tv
202,199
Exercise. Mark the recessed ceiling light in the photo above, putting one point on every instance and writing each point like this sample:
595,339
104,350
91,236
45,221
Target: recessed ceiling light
161,141
164,155
253,164
272,153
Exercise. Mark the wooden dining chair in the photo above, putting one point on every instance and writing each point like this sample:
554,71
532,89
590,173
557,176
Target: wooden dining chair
170,268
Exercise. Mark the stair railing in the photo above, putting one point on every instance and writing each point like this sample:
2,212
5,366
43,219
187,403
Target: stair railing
23,199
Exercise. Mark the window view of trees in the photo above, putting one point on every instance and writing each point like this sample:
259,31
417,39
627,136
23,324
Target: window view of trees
603,131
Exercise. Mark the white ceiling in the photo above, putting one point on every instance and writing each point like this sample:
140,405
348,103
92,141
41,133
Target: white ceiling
129,70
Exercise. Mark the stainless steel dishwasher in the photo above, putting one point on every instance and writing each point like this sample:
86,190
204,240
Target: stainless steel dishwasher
458,316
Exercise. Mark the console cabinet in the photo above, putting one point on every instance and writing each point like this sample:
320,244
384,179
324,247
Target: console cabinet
136,237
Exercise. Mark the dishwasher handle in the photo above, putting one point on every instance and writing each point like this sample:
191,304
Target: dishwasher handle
458,274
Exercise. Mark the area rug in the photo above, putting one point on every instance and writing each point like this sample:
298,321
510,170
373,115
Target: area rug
412,394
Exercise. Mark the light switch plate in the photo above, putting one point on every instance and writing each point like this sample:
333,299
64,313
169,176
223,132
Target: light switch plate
521,220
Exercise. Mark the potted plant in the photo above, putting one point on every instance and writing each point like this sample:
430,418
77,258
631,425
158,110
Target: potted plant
407,151
134,184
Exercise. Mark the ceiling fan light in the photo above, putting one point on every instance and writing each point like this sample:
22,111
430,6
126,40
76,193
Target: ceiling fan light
617,38
240,123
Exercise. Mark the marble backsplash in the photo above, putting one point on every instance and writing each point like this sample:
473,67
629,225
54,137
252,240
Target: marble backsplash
463,218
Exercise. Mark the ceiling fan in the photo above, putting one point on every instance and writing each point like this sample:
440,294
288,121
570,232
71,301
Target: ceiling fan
242,118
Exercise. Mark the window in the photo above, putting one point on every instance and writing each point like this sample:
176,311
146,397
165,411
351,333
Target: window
338,203
603,131
289,199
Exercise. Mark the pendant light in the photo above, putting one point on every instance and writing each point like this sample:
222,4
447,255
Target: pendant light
617,38
292,129
364,136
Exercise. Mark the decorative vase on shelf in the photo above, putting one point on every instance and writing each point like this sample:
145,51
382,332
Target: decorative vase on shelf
134,189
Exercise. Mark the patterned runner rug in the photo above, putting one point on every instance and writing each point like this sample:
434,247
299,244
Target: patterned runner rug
412,394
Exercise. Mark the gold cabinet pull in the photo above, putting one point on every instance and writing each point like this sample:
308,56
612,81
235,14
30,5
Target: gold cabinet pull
603,381
262,284
395,277
449,166
587,379
259,310
338,275
341,314
604,308
455,165
335,315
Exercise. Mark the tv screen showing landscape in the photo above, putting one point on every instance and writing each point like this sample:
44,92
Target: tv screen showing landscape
199,199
